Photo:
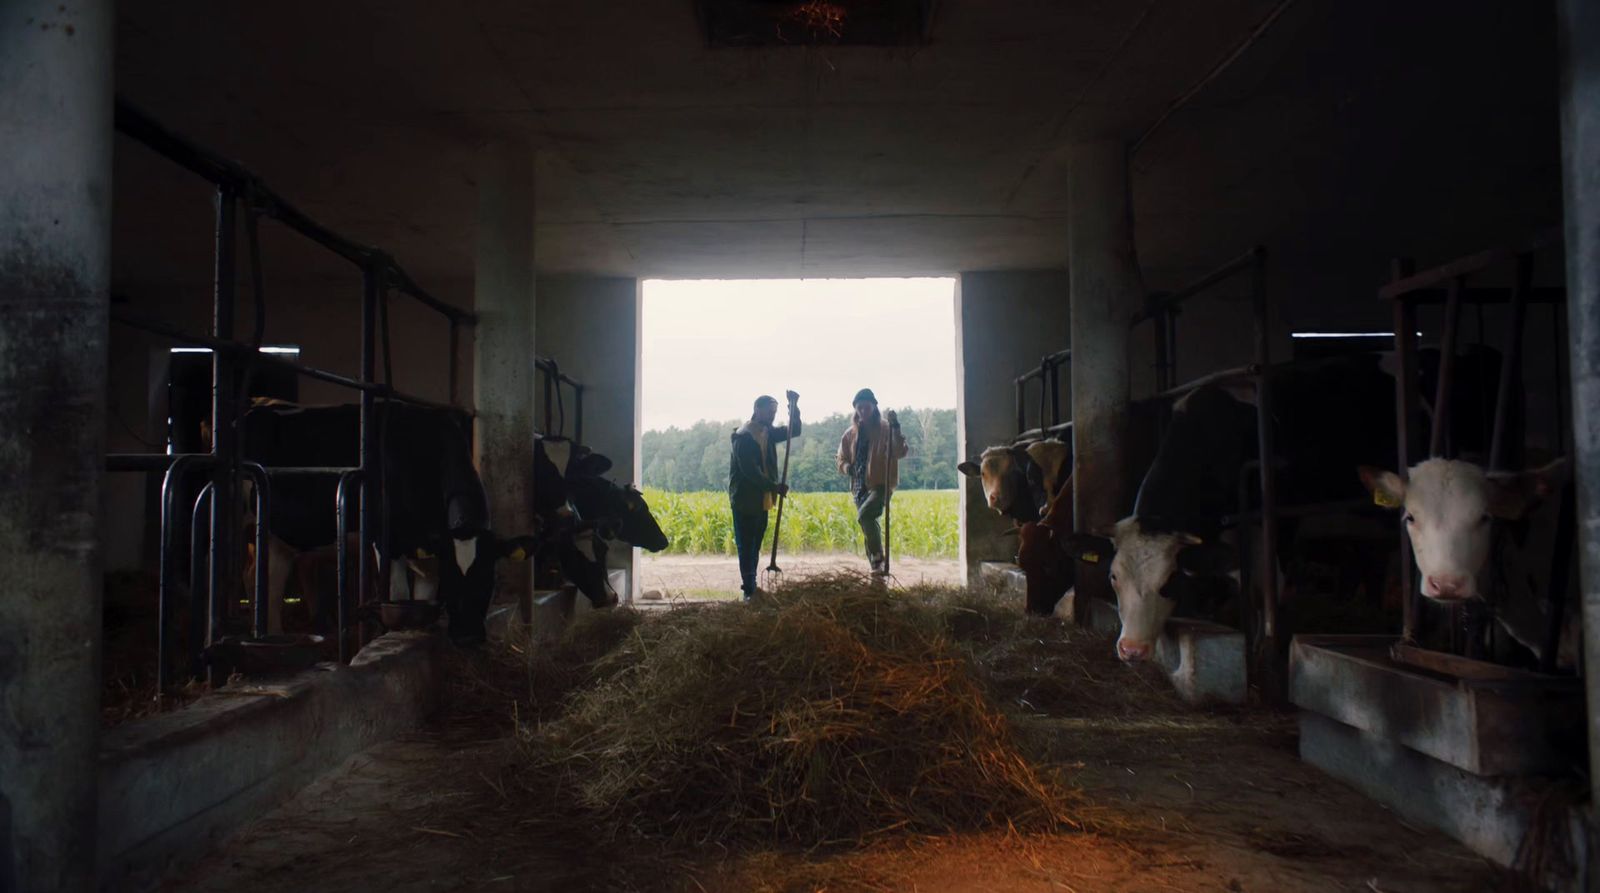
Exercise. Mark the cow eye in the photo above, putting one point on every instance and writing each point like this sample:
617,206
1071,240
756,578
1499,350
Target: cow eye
1410,518
1113,577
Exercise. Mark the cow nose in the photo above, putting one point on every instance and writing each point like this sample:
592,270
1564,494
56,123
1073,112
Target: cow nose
1446,586
1132,651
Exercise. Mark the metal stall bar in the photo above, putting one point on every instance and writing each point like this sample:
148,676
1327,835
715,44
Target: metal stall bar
1405,350
1512,361
1265,446
1447,368
170,485
1048,373
379,270
199,525
369,432
343,600
555,413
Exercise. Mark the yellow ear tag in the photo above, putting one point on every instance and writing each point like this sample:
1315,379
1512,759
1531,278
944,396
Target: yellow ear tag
1091,557
424,553
1384,500
519,553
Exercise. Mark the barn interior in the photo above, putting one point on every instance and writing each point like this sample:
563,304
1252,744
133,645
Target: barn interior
457,205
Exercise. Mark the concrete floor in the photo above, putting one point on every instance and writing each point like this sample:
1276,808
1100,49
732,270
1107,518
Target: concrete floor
1209,802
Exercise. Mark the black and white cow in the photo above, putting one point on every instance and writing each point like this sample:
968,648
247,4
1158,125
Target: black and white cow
1450,508
1018,482
1161,553
436,504
578,510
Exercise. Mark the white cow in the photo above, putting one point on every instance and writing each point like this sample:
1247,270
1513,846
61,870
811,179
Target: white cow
1449,508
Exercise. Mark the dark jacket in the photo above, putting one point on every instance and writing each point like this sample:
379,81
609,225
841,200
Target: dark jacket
750,475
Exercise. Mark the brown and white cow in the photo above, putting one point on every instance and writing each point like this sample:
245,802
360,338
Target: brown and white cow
1018,482
1450,507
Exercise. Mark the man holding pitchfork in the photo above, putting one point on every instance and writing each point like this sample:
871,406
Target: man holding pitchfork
753,485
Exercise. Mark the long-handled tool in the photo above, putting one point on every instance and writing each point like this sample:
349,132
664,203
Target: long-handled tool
888,489
777,527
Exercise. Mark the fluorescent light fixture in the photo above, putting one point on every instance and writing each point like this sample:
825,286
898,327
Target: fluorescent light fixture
283,350
1345,335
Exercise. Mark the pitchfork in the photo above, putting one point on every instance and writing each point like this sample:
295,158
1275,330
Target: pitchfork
777,527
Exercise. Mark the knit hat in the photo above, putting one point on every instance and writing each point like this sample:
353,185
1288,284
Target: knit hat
765,400
864,394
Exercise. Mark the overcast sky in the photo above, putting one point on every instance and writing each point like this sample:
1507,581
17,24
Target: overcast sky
712,346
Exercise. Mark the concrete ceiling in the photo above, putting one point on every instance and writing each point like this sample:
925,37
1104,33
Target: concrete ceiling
1347,130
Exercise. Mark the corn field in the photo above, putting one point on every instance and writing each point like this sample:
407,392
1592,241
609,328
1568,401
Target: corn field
700,523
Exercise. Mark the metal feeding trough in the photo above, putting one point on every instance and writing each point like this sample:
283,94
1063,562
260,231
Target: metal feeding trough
269,655
408,615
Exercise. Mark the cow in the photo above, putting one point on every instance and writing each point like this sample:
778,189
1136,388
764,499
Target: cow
1018,482
436,504
578,510
1162,554
1043,557
1450,507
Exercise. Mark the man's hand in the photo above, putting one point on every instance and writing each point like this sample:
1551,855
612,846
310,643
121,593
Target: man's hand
781,489
892,420
793,397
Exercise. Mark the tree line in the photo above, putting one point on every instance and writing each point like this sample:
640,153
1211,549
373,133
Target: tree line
696,458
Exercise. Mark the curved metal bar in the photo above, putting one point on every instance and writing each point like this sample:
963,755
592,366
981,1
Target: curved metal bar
199,526
341,500
169,495
263,482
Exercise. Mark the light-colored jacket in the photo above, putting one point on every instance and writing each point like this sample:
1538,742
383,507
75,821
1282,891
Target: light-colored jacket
878,455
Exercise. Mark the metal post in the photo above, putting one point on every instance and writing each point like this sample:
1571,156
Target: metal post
1444,392
1022,405
224,445
1405,352
1579,39
369,430
1512,362
455,353
1266,444
171,484
577,408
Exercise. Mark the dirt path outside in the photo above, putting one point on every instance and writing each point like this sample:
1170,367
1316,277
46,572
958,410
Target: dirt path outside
713,577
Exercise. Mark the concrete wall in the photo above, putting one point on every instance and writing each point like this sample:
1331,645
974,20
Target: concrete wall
1005,321
590,326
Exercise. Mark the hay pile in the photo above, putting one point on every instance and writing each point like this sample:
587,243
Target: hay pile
827,713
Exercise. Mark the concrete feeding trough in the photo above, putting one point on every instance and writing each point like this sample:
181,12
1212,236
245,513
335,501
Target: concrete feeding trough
1204,661
1478,751
174,784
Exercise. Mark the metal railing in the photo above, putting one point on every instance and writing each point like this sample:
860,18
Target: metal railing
555,408
1048,374
1162,310
232,364
1447,284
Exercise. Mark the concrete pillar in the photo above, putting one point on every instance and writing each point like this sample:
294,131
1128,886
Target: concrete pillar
55,265
1106,289
503,374
1580,161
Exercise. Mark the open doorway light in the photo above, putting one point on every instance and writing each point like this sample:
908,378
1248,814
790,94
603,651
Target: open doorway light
711,347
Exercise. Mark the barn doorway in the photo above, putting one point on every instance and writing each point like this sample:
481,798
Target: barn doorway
710,347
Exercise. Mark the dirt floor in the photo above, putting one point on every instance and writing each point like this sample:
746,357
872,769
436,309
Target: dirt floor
695,577
1179,800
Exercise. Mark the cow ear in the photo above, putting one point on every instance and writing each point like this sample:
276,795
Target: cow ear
968,468
1207,560
1387,489
1088,547
1514,494
517,548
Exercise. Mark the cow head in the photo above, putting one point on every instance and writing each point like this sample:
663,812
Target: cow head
1448,507
466,578
1149,570
620,512
1005,480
